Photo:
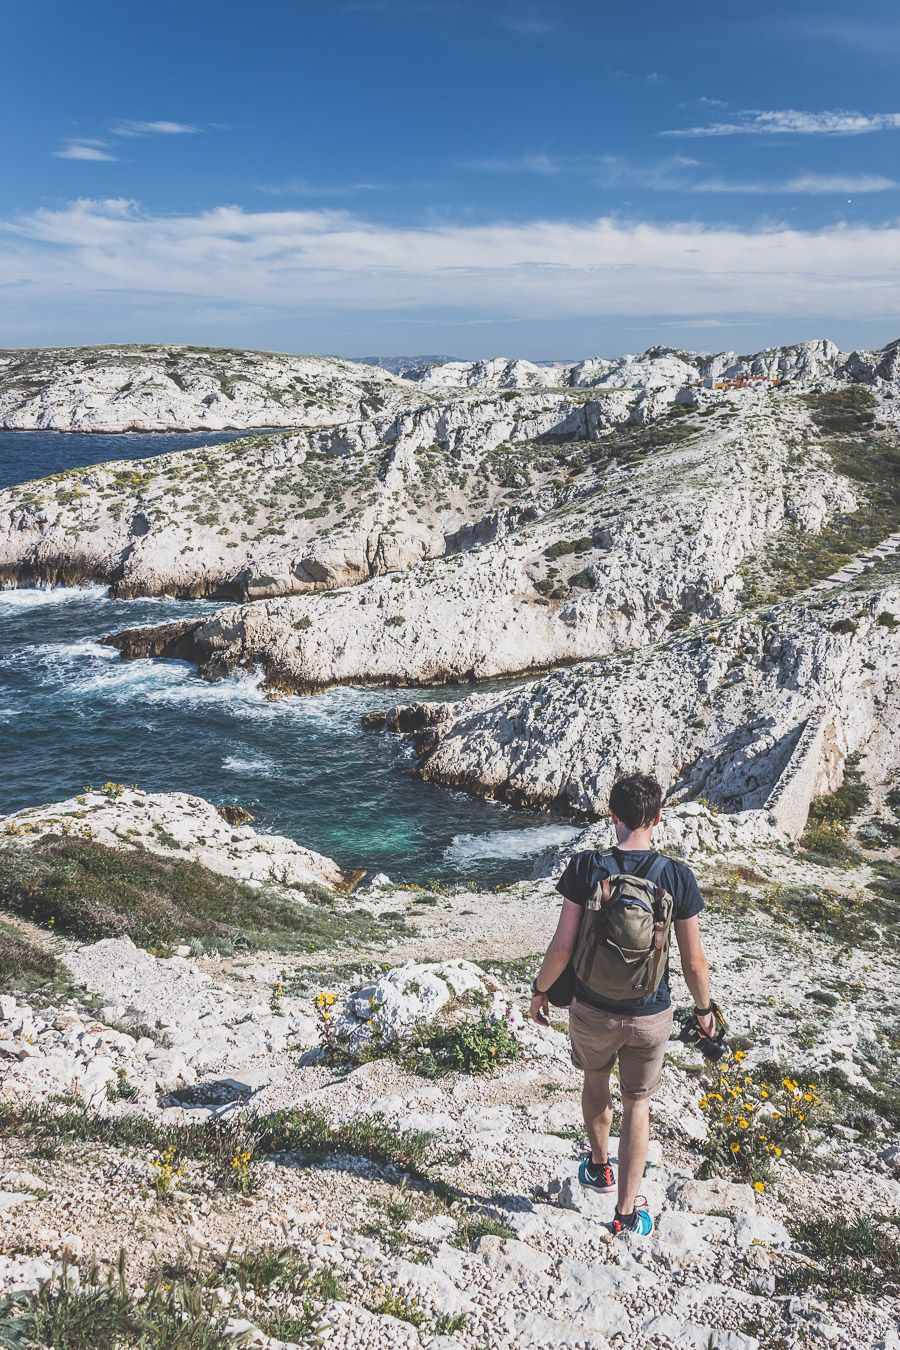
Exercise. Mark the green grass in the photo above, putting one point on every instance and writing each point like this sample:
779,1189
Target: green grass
845,422
27,965
100,1312
86,891
851,1258
475,1226
856,919
302,1132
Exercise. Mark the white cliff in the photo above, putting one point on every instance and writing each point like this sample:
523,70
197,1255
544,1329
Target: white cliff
176,825
170,388
715,714
594,548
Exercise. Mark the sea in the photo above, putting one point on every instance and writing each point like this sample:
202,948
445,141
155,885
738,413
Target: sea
73,713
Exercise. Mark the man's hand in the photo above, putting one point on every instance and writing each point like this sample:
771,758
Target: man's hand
708,1024
540,1010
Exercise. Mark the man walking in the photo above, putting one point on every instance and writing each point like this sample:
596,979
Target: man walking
618,913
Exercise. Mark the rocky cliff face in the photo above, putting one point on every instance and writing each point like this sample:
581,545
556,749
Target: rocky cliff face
507,527
610,543
714,714
169,388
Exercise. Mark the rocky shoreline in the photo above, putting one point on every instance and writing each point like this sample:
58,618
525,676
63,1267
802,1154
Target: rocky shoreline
250,1097
444,1213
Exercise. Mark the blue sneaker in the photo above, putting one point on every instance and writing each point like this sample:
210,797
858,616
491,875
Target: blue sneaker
639,1222
596,1176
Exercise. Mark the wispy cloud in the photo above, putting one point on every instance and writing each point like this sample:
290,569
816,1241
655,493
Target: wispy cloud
127,127
325,261
535,24
793,122
680,173
803,184
84,149
302,187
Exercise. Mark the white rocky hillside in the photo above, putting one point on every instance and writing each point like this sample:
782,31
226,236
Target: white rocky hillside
178,388
176,824
665,367
614,542
265,1134
310,510
403,480
755,713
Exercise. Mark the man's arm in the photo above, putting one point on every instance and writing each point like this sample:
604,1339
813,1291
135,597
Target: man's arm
562,945
695,967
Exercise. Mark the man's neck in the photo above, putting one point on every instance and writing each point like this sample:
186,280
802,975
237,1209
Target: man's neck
634,841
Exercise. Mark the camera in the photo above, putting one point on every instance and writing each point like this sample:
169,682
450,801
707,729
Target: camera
711,1047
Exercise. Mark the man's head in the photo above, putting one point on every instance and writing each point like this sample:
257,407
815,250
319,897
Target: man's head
635,801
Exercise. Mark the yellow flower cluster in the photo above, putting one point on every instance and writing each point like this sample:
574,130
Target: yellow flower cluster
240,1171
165,1172
749,1121
323,1005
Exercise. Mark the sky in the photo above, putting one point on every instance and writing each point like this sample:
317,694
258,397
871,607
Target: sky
463,177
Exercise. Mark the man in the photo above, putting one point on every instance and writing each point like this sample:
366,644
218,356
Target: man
634,1030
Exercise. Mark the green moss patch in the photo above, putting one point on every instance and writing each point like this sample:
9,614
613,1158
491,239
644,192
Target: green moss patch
86,891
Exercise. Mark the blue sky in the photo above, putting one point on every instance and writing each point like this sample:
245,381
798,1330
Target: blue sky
473,177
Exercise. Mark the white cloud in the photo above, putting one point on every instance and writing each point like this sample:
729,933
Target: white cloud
84,149
673,174
128,127
792,121
302,187
325,261
807,184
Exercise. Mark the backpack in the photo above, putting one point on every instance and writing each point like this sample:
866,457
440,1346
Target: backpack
623,942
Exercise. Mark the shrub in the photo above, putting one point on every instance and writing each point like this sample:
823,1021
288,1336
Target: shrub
828,841
183,1315
843,626
888,620
26,964
751,1121
847,1257
87,891
466,1047
585,581
846,802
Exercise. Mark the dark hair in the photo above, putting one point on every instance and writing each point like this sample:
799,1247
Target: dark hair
636,800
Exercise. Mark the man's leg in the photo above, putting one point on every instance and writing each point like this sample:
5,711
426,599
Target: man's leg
633,1144
640,1071
596,1105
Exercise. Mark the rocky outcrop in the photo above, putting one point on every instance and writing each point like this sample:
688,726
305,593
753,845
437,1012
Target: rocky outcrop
175,388
715,714
312,510
175,824
637,535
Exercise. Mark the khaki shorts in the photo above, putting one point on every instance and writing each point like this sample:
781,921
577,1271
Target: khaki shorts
598,1037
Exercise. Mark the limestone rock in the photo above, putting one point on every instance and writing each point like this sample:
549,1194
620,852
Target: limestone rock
170,388
175,824
715,1195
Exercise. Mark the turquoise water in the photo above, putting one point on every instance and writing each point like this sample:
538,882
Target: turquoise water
72,712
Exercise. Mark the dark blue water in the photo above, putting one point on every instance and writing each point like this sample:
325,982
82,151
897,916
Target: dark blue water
72,712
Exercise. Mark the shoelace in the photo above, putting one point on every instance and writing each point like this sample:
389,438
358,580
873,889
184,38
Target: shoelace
619,1227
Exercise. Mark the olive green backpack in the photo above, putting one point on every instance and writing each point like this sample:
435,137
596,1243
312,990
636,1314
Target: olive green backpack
626,930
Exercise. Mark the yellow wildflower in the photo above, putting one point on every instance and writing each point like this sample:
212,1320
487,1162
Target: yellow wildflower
739,1055
759,1185
735,1148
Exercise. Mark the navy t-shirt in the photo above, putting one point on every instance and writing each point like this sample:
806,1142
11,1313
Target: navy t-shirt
577,883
